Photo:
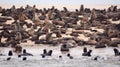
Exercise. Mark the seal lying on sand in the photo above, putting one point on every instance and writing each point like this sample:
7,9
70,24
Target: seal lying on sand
4,19
100,45
53,21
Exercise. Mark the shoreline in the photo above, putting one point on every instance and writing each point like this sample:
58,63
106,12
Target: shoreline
38,49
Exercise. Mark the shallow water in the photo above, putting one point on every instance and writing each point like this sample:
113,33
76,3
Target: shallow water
58,63
107,58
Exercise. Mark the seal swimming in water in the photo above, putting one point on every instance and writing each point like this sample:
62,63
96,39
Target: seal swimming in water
45,53
49,53
68,55
64,48
19,56
43,56
87,53
24,58
25,53
10,53
84,49
116,51
60,56
8,58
